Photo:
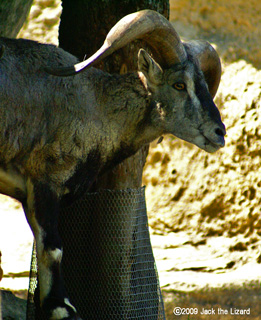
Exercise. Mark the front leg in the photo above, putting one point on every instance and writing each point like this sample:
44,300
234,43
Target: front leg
42,208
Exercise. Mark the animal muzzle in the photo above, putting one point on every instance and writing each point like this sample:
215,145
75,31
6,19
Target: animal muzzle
220,133
214,138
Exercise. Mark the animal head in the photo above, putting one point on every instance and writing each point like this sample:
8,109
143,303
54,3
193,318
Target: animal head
183,104
182,82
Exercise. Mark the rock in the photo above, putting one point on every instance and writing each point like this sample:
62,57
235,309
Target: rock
12,308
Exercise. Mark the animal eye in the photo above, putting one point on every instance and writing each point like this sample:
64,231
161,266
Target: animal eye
179,86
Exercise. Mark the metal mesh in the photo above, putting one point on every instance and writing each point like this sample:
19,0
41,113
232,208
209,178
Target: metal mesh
108,263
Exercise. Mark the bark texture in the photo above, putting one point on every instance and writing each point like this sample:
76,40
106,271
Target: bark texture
83,28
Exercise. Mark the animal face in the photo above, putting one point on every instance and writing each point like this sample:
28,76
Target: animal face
183,104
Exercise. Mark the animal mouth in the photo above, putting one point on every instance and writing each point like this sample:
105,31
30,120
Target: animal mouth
212,146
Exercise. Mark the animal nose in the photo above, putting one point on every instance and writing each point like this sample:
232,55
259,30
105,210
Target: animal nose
220,133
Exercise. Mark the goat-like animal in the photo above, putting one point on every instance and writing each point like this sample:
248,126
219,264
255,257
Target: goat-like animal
59,133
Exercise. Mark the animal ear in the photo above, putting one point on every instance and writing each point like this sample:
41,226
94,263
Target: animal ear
150,69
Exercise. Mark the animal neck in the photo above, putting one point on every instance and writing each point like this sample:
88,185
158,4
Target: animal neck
127,110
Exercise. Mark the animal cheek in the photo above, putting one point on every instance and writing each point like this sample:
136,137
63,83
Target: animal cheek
161,111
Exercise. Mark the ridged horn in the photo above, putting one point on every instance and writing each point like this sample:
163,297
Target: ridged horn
209,62
147,25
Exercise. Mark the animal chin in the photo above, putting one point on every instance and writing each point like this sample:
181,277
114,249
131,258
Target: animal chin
206,144
211,146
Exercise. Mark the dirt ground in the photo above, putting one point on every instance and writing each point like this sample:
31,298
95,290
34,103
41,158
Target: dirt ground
215,200
204,209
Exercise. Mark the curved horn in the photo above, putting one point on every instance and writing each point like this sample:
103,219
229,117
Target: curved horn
209,62
148,25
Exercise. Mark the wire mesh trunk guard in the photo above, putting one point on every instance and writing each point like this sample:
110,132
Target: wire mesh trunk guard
108,263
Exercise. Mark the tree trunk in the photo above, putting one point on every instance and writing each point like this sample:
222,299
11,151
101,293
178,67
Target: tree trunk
12,16
83,28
